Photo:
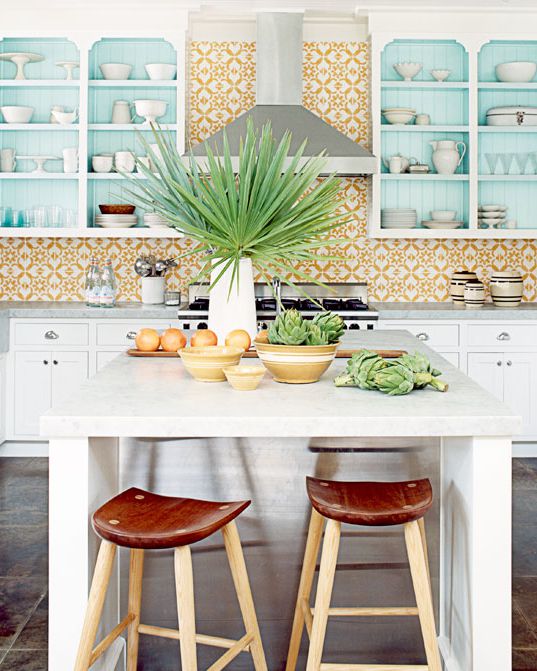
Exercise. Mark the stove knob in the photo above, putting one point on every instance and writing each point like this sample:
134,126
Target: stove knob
370,327
202,325
354,327
263,326
345,326
186,326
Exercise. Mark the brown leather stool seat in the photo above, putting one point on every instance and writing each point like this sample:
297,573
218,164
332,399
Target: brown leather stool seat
371,503
146,521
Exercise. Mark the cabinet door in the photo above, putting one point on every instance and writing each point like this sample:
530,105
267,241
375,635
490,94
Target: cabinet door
519,393
487,370
69,370
32,390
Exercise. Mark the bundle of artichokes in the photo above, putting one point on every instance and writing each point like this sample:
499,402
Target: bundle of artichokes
368,370
290,328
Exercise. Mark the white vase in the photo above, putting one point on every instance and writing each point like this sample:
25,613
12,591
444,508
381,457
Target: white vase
235,309
153,290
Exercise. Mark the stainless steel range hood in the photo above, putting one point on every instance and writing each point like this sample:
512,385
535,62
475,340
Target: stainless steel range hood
279,100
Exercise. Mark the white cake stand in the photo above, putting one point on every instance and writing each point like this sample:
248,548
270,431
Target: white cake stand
69,66
21,58
39,162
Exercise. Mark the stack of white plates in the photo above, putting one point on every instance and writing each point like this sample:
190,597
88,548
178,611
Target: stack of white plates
116,220
435,224
392,217
491,216
154,220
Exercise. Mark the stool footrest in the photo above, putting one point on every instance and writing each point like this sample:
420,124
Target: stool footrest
202,639
387,611
374,667
108,640
228,656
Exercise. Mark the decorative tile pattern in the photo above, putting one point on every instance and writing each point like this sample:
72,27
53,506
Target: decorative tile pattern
222,86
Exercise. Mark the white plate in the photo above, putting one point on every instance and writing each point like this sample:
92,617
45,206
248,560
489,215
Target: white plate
492,208
447,225
115,224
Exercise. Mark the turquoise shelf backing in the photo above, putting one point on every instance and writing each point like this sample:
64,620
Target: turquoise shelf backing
28,193
498,98
41,99
100,142
135,52
503,51
502,143
520,198
37,143
53,49
108,191
417,146
432,54
101,101
445,106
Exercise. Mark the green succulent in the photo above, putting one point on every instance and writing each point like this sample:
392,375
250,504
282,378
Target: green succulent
289,328
331,325
394,379
424,373
316,335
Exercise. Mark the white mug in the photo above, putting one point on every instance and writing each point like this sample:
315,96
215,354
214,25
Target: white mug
70,159
396,164
7,160
102,163
423,119
124,161
121,112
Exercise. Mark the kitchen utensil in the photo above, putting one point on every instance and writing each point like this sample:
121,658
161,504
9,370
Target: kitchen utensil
153,290
150,109
20,59
516,71
244,378
446,157
397,163
7,160
117,208
17,113
492,162
161,267
512,116
474,294
124,161
70,159
55,108
142,267
506,288
402,116
423,119
207,364
407,70
65,118
443,215
102,163
122,112
440,75
115,70
163,71
69,67
39,162
458,282
296,364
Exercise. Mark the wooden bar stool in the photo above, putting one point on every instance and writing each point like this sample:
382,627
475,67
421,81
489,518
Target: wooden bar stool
370,504
140,520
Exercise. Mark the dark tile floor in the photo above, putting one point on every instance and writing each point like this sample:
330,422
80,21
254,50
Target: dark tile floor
23,565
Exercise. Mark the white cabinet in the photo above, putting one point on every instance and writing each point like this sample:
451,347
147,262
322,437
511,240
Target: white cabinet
452,357
511,377
43,378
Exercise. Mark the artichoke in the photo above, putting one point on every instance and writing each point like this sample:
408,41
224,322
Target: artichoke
394,379
315,335
424,373
331,325
361,370
289,328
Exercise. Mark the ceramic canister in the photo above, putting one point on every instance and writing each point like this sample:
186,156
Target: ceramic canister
474,294
458,281
506,287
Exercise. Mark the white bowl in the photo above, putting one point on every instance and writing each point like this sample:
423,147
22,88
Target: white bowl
115,70
17,113
443,215
407,70
398,117
151,109
440,75
517,71
160,70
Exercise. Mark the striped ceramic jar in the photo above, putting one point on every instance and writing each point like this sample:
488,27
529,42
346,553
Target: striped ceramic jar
474,294
458,282
506,288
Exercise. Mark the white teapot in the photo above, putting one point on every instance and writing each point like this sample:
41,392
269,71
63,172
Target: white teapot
396,163
446,157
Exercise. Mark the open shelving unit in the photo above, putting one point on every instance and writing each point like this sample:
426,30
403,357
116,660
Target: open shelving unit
457,108
92,134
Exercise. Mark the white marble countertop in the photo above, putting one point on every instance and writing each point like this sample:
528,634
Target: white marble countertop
449,310
158,398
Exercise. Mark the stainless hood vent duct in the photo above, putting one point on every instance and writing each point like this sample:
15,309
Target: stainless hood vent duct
279,100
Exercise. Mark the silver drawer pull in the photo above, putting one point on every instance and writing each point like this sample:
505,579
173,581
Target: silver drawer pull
131,335
422,336
509,363
51,335
498,363
503,336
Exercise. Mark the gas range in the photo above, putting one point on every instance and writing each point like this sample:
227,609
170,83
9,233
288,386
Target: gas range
348,300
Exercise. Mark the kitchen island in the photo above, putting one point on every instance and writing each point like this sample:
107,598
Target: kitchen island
108,433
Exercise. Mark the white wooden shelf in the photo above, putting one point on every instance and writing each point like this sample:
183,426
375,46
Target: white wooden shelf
130,126
39,175
401,84
133,83
112,175
55,127
458,233
507,178
507,129
28,83
508,86
407,177
405,128
135,232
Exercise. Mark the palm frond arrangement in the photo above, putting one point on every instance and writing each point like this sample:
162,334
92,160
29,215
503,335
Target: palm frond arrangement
270,207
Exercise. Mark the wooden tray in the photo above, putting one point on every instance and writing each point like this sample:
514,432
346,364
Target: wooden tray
252,354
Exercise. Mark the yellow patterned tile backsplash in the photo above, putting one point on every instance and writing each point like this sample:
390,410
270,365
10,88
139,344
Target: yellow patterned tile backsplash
222,86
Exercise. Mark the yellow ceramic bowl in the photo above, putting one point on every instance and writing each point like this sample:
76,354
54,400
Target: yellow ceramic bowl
244,378
296,364
207,364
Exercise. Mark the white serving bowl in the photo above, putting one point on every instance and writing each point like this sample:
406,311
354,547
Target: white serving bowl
407,70
150,109
443,215
440,75
17,113
517,71
399,117
160,70
115,70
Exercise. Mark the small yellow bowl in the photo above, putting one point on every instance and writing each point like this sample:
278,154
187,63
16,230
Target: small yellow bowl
244,378
207,364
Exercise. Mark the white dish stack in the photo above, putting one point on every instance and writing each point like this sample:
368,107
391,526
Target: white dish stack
392,217
492,216
116,220
154,220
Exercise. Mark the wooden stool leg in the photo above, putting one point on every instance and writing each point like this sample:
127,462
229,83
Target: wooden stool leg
136,572
244,594
421,524
324,593
184,583
422,590
313,543
97,595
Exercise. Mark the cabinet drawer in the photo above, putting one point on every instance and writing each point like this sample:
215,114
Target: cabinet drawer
502,335
51,334
433,334
124,334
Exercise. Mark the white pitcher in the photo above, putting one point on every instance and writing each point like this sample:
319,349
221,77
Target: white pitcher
446,157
